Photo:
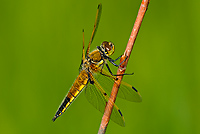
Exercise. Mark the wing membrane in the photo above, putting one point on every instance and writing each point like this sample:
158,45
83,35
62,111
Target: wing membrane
98,98
126,91
96,24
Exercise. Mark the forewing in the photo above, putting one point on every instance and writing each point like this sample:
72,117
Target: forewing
96,24
126,91
98,98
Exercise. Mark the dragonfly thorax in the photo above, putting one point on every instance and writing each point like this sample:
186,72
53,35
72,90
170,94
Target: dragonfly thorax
94,60
98,57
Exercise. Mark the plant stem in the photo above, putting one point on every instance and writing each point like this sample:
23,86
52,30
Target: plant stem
122,68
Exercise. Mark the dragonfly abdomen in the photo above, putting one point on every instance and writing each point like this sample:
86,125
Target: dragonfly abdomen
76,88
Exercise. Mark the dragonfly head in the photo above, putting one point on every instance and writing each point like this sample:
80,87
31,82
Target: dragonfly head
107,47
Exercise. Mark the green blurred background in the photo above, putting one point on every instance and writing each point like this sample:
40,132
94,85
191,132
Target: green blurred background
40,52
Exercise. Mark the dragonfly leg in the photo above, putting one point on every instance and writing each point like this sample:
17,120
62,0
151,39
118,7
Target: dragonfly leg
89,78
112,73
112,61
116,74
117,58
101,72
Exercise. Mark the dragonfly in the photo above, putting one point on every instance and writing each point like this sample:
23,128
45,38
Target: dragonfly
94,78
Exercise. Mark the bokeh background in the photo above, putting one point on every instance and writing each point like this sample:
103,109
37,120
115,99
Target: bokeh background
40,52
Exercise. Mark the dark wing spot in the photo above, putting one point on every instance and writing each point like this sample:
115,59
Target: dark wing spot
120,112
105,94
134,89
92,82
99,6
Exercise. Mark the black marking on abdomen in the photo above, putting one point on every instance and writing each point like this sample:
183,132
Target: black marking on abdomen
134,89
64,103
76,89
61,108
72,95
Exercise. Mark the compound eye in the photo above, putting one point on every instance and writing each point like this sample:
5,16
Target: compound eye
104,46
108,47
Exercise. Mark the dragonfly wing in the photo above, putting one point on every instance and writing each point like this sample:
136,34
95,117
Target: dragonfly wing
98,98
96,24
126,91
